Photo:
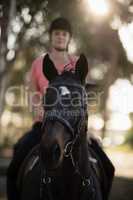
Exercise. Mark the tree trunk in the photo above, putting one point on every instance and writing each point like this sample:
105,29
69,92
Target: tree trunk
5,23
110,78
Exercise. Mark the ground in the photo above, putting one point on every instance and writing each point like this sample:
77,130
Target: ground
122,188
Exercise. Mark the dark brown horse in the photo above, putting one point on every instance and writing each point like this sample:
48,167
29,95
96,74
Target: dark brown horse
61,167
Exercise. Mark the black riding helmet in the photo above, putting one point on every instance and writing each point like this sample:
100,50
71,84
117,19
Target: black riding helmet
62,24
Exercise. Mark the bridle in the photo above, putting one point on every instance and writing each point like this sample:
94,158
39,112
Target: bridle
69,146
87,182
76,134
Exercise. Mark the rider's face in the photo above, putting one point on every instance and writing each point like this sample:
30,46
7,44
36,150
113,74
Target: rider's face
60,39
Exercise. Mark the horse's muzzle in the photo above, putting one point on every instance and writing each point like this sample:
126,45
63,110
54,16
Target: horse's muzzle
51,156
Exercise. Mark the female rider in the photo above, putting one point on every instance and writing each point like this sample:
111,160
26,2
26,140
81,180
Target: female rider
60,34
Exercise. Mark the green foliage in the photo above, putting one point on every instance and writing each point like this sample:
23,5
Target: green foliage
7,142
129,137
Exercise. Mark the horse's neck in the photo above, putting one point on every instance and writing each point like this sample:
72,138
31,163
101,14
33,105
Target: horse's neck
68,180
74,180
71,181
84,164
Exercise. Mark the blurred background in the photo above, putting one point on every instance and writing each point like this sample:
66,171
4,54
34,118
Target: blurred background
103,31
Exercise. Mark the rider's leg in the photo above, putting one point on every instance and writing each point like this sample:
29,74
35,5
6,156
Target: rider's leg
21,149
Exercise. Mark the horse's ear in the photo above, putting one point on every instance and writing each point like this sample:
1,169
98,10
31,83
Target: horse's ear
49,69
81,68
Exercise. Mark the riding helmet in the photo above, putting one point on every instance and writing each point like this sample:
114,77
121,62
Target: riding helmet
62,24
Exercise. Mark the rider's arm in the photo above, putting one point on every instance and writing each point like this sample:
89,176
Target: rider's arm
35,96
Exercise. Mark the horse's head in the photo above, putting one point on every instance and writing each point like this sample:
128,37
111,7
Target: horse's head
65,111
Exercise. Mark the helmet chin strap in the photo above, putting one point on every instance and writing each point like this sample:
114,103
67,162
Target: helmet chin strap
60,49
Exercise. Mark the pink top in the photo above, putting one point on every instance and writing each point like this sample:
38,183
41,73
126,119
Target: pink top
41,82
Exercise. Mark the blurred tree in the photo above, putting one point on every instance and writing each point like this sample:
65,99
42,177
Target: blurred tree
18,21
100,41
129,136
24,34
